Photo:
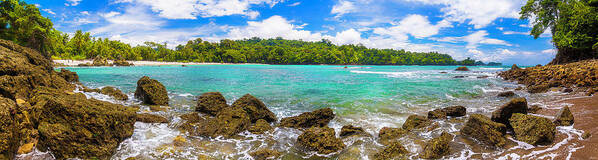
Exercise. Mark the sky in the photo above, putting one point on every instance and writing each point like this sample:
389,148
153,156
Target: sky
486,30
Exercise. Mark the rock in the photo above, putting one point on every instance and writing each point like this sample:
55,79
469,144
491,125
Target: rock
567,90
350,130
519,88
438,147
121,62
255,108
591,92
515,67
533,129
482,77
100,61
86,89
507,94
538,88
68,75
115,93
320,139
534,109
387,134
462,69
317,118
459,77
485,130
564,117
261,126
453,111
9,138
586,135
392,151
192,117
503,113
211,103
26,148
151,118
228,123
157,108
264,154
179,141
443,72
415,122
151,92
73,126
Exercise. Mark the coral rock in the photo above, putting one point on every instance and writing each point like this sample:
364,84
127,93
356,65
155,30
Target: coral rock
350,130
260,127
453,111
388,134
392,151
114,92
151,118
68,75
437,147
228,123
507,94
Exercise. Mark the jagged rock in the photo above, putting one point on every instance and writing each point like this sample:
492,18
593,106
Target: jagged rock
515,67
503,113
507,94
26,148
192,117
564,117
453,111
415,122
121,62
350,130
192,120
261,126
320,139
255,108
534,109
567,90
114,92
228,123
100,61
211,103
151,91
68,75
87,89
151,118
438,147
387,134
9,138
265,154
538,88
317,118
533,129
485,130
392,151
462,69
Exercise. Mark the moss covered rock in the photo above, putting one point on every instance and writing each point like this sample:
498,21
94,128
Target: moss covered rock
255,108
9,137
265,154
438,147
121,62
100,61
317,118
462,69
68,75
320,139
151,118
151,92
515,67
114,92
485,130
260,126
506,94
415,122
228,123
503,113
393,151
533,129
350,130
564,117
388,134
534,109
211,103
453,111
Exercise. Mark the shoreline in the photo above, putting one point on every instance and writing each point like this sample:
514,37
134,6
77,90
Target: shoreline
75,63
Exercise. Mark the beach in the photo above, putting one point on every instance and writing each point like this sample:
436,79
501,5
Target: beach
139,63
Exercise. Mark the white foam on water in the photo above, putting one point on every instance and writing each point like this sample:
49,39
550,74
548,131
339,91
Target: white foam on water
145,140
388,74
185,95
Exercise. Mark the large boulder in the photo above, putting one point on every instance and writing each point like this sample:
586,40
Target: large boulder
503,113
515,67
114,92
462,69
265,154
453,111
255,108
564,117
415,122
320,139
228,123
121,62
211,103
8,129
485,130
350,130
387,134
393,151
68,75
151,92
260,126
317,118
533,129
100,61
438,147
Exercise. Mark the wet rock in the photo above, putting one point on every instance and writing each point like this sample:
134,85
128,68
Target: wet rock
459,77
121,62
158,108
462,69
350,130
533,129
415,122
534,109
388,134
8,129
320,139
192,117
87,89
393,151
151,91
114,92
26,148
438,147
68,75
211,103
228,123
261,126
264,154
151,118
192,120
564,117
483,129
317,118
506,94
591,92
453,111
255,108
538,88
482,77
567,90
503,113
515,67
586,135
100,61
443,72
519,88
179,141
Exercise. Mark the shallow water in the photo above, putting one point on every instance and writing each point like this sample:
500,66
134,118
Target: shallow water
371,97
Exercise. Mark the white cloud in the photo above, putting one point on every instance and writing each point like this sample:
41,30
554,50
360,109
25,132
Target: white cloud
415,25
479,13
135,18
342,7
72,2
49,11
190,9
85,13
513,32
474,39
549,51
294,4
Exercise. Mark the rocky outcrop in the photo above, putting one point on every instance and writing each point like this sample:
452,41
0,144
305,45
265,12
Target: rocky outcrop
539,79
485,130
462,69
317,118
68,75
533,129
114,93
503,113
393,151
387,134
453,111
100,61
228,123
438,147
255,108
515,67
151,92
265,154
260,126
415,122
322,140
9,137
121,62
350,130
564,117
533,109
506,94
211,103
151,118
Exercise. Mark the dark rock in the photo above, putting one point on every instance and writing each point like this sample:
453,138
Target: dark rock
261,126
121,62
485,130
564,117
443,72
9,137
320,139
211,103
151,92
100,61
538,88
515,67
151,118
519,88
228,123
482,77
538,65
503,113
415,122
462,69
438,147
533,129
68,75
586,135
317,118
115,93
453,111
388,134
534,109
459,77
507,94
567,90
265,154
350,130
255,108
393,151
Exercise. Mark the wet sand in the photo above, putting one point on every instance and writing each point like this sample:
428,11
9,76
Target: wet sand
586,118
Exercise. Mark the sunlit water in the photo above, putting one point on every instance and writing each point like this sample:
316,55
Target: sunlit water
371,97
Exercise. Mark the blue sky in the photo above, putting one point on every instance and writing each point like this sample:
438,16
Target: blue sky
487,30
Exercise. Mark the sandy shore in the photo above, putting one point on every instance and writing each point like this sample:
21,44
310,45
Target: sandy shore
141,63
586,118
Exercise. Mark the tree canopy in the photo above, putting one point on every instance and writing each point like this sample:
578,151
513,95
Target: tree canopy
22,23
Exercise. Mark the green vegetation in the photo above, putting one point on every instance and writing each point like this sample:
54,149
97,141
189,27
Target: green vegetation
573,23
